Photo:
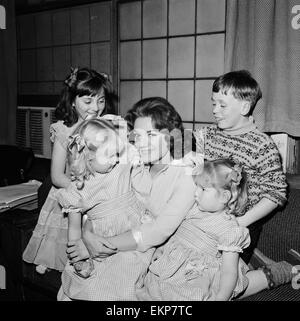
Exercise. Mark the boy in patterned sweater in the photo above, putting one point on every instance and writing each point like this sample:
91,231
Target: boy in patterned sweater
235,136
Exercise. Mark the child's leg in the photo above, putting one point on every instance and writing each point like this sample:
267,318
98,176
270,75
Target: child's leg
257,283
268,277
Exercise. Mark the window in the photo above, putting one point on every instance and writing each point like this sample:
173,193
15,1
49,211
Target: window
173,49
52,41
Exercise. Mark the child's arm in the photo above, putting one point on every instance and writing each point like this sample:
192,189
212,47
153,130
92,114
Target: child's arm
229,274
258,211
74,226
58,165
272,184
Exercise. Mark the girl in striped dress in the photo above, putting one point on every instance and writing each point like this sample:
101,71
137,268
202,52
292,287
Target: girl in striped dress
107,192
201,260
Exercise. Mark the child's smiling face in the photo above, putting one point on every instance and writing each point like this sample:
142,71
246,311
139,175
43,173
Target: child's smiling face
88,107
228,111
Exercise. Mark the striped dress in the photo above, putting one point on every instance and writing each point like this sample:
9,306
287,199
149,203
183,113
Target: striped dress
111,204
188,266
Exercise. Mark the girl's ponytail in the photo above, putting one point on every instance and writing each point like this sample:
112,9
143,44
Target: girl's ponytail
238,180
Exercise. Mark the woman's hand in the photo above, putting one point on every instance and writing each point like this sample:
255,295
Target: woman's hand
98,246
77,251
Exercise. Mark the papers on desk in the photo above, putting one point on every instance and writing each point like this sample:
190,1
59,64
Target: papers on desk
14,195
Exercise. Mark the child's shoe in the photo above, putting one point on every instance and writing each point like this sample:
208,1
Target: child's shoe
84,268
41,269
277,273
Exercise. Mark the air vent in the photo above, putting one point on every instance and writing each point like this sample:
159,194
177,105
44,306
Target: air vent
36,131
33,129
22,134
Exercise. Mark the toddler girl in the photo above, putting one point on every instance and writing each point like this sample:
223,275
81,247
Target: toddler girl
201,260
86,94
106,191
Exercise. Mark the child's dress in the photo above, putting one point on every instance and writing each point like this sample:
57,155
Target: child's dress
111,204
188,267
48,243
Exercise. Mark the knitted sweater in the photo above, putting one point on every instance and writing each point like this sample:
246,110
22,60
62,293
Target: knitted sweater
256,153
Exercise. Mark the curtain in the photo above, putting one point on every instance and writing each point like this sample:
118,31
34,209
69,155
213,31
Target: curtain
263,36
8,75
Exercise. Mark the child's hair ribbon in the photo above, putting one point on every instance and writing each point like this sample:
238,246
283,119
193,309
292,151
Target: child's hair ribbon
78,141
72,78
236,174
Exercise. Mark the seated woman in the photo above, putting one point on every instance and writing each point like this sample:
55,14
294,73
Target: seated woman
158,133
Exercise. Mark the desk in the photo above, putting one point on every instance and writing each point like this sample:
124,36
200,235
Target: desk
22,196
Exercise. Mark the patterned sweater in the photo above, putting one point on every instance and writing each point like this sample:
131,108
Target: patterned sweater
256,153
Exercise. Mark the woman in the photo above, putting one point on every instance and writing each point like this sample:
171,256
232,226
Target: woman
158,133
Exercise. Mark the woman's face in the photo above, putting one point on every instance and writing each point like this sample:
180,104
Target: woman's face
88,107
150,142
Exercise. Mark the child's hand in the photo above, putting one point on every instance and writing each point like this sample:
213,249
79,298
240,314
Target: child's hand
193,159
77,251
112,117
117,120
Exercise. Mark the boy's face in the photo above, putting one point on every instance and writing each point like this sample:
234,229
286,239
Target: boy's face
228,111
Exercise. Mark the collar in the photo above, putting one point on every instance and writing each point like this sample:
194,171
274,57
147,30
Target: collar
243,130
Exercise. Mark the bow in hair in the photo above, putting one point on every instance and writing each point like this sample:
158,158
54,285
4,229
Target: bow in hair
78,141
72,78
106,76
236,174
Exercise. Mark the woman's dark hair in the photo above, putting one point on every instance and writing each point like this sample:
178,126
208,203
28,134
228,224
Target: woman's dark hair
81,82
164,118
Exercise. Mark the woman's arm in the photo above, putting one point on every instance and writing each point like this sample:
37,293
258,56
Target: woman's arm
164,225
229,274
58,166
123,242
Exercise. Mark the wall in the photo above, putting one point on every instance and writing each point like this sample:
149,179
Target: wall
50,42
